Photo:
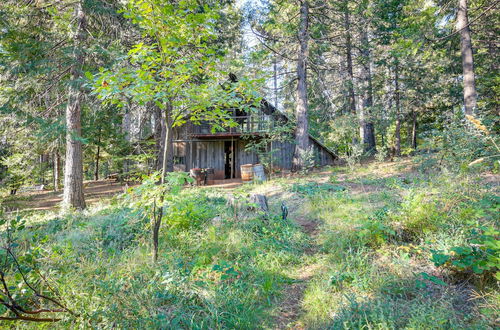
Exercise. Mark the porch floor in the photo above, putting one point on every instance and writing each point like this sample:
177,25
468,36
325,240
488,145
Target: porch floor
226,183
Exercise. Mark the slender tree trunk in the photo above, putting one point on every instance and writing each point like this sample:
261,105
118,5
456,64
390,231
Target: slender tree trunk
397,133
158,215
167,166
73,174
159,135
168,149
126,132
97,154
367,130
126,122
275,81
57,170
96,172
348,48
470,95
302,130
413,141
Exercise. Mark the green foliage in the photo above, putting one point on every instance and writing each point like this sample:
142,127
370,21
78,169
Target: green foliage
382,153
361,268
374,231
464,145
343,135
226,275
419,215
313,188
154,199
146,197
307,159
177,71
481,255
189,210
25,289
422,283
385,313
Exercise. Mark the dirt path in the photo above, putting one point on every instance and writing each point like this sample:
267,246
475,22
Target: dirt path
290,307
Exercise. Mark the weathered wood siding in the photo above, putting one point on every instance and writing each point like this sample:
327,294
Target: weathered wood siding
244,157
200,154
322,156
210,154
282,154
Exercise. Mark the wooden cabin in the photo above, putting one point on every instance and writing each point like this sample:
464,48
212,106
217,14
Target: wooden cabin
197,146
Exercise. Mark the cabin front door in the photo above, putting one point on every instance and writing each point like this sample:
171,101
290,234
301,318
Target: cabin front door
230,159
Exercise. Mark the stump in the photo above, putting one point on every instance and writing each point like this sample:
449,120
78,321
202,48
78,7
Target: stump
260,201
233,203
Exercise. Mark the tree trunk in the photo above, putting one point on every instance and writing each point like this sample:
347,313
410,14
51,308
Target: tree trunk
470,95
73,174
126,133
366,128
413,136
159,135
275,81
156,233
168,149
57,170
97,154
96,172
302,130
126,122
348,47
397,133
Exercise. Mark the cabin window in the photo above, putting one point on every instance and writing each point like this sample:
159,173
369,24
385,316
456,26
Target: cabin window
179,160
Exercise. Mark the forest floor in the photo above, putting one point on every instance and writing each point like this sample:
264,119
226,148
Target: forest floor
95,192
354,252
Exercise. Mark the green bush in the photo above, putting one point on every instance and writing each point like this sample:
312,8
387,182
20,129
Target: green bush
418,216
464,144
374,232
480,256
189,210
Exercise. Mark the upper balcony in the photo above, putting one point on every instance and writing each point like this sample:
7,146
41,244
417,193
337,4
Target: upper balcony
251,124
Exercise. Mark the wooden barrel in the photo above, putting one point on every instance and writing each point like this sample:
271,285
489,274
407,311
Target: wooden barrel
246,172
210,176
258,172
198,175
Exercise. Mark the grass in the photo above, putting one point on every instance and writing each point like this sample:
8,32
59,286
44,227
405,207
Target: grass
365,264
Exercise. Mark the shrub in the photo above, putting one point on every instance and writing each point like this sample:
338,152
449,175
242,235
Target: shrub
354,157
481,255
418,215
382,153
465,143
374,232
307,160
189,210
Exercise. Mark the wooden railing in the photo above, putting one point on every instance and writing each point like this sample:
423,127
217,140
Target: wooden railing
245,125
